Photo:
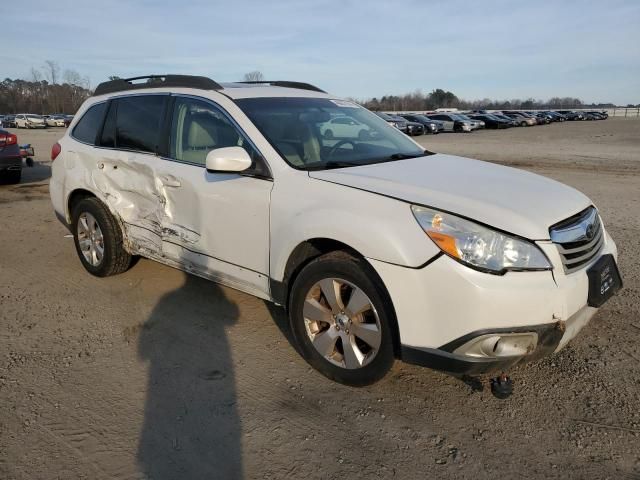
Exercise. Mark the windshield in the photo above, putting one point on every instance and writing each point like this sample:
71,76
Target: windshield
34,116
305,133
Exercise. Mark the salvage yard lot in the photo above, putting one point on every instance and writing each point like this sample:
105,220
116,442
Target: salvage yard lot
80,359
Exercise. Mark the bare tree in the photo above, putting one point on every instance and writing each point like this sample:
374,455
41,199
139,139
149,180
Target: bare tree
52,71
255,76
72,77
36,76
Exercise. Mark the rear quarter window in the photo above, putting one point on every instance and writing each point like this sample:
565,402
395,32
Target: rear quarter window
87,128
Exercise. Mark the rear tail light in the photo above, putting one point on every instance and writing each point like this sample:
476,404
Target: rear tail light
55,151
9,139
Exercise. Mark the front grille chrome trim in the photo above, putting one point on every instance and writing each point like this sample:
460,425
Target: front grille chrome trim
579,239
568,251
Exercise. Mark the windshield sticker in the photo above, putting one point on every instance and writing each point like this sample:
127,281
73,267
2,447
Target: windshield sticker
344,103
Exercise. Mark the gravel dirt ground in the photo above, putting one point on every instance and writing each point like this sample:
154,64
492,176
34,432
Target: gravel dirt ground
157,374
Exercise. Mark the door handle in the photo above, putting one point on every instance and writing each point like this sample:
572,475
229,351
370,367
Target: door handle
170,181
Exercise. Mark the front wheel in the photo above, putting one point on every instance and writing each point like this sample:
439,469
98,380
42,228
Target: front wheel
342,318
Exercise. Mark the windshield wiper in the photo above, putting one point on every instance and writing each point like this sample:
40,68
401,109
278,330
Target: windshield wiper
405,156
333,164
340,164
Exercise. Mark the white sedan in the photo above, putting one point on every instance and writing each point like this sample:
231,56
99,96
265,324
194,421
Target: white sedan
54,121
344,127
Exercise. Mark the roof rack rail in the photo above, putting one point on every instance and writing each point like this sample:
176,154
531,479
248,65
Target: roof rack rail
287,84
157,81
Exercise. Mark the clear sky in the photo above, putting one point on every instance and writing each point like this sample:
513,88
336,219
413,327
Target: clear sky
497,49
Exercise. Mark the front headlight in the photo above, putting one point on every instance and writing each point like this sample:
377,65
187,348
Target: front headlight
479,246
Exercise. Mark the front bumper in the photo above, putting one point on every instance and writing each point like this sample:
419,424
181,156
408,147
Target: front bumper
444,306
550,338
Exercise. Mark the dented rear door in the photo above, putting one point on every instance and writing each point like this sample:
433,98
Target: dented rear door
125,171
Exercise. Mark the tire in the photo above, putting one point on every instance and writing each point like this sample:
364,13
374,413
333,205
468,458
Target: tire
328,134
14,176
114,258
344,273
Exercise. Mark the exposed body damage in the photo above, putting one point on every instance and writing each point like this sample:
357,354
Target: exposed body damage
162,218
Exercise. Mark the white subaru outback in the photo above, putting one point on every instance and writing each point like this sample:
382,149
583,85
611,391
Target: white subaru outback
377,248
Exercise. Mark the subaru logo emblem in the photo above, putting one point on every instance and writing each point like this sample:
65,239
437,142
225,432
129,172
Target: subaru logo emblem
590,231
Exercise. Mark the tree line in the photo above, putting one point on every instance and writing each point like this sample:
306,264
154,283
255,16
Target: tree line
439,98
49,90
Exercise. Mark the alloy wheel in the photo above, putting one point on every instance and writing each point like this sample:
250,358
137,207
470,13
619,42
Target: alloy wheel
342,323
90,239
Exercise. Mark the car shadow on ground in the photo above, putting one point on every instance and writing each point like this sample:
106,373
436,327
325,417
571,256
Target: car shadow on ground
191,426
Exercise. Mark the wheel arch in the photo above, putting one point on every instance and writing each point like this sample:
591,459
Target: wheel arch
74,197
313,248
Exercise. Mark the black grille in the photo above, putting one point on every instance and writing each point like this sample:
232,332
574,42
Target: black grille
579,239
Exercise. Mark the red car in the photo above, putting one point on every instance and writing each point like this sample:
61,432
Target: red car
10,157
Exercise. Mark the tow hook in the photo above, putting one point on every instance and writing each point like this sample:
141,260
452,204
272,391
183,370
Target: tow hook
502,386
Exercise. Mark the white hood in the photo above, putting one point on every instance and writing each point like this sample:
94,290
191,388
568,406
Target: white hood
506,198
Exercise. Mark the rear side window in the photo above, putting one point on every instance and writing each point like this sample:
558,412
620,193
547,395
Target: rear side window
87,128
139,121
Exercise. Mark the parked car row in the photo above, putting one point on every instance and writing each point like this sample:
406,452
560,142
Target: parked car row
29,120
458,121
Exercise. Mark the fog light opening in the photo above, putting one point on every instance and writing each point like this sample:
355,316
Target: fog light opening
500,345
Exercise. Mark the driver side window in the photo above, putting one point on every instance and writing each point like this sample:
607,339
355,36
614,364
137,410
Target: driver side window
197,127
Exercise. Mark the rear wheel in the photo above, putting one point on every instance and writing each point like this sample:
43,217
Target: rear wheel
341,318
98,239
